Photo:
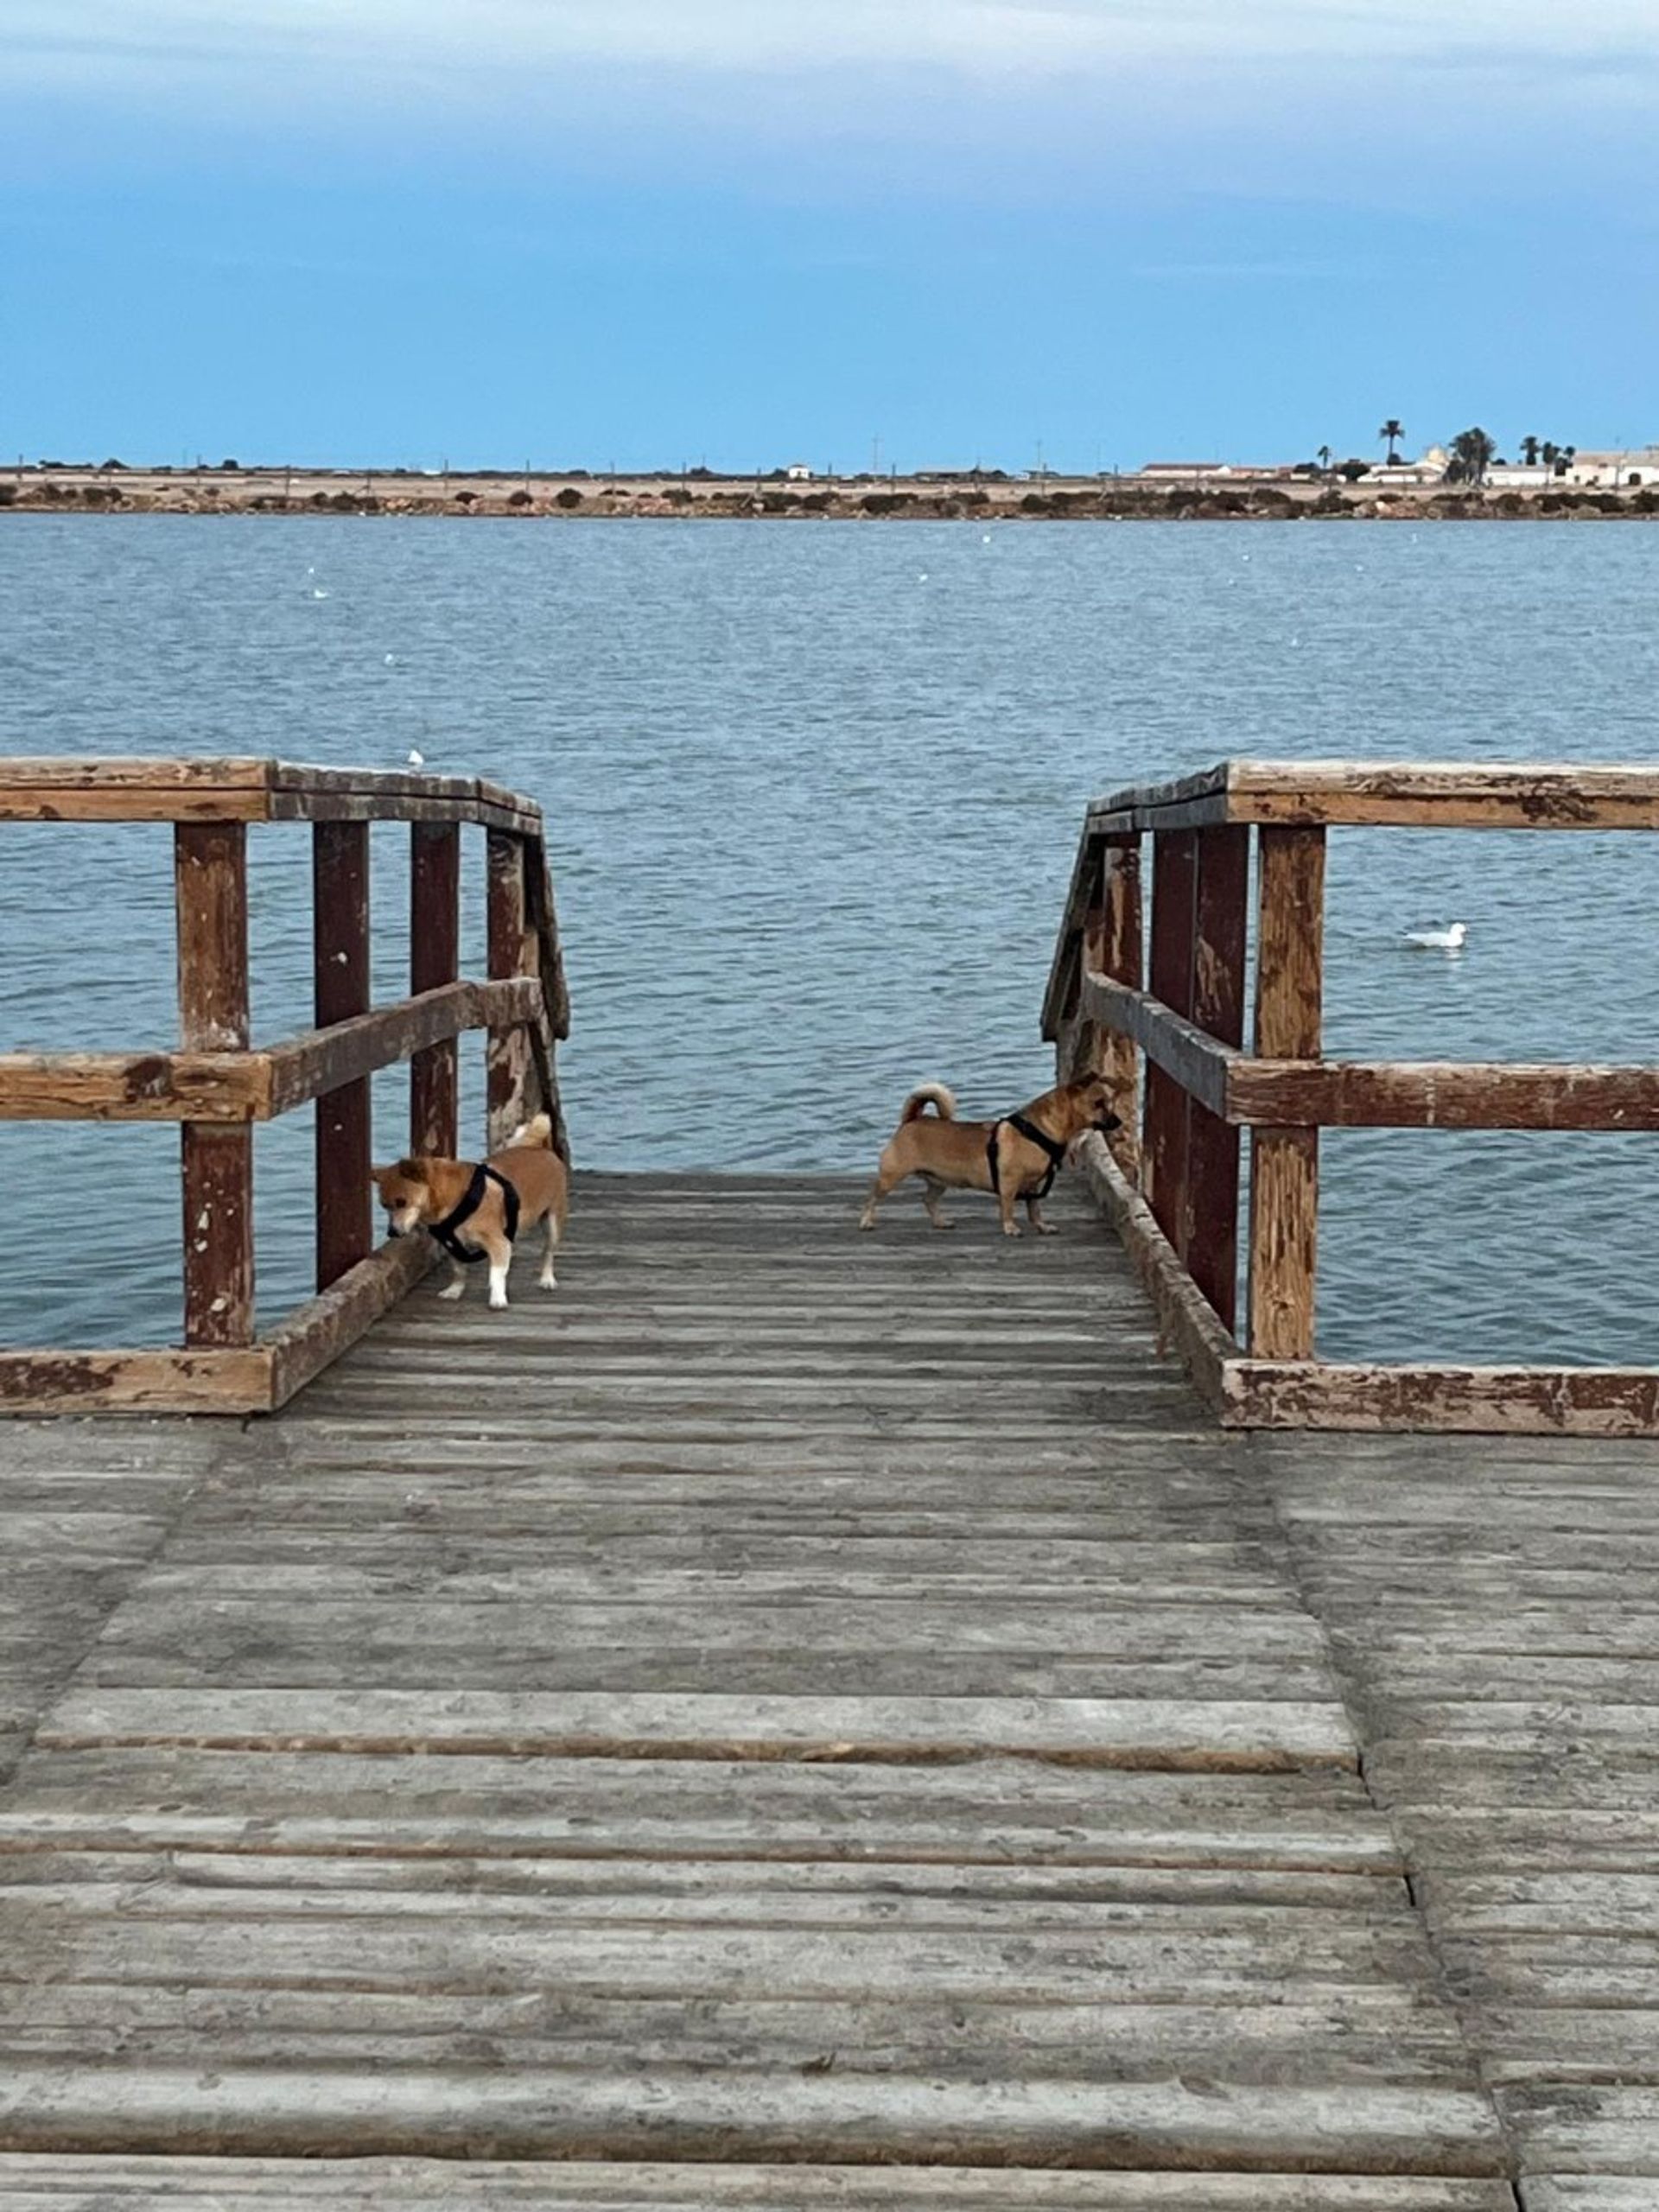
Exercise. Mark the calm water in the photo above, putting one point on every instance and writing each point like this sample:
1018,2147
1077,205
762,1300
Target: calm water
812,796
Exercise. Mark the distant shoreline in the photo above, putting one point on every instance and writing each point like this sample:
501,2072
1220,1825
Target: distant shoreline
535,497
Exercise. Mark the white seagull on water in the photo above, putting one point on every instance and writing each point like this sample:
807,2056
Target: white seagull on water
417,759
1445,936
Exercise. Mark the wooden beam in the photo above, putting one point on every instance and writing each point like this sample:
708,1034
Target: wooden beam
340,971
434,962
1485,1401
229,1381
1285,1162
1164,1156
1222,893
216,1159
1446,795
1185,1318
242,789
1198,1063
317,1333
133,1086
307,1065
1442,1094
1066,968
513,950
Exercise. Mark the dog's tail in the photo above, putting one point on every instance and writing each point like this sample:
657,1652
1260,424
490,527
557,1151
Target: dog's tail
538,1130
929,1093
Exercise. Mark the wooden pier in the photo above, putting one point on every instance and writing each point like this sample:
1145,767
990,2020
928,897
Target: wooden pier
808,1720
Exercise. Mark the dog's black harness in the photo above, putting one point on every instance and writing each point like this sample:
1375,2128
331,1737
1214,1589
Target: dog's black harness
445,1230
1038,1137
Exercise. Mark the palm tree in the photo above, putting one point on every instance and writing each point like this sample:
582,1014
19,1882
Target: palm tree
1472,453
1393,432
1324,457
1529,450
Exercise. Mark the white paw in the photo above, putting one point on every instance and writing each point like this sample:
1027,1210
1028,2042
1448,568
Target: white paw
452,1290
498,1301
1046,1229
1012,1229
549,1282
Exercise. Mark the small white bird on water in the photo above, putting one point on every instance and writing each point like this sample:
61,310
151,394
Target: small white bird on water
417,759
1445,936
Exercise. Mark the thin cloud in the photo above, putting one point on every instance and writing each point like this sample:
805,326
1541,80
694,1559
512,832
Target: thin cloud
145,41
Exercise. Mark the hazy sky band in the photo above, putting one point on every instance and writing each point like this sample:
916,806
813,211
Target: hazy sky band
945,224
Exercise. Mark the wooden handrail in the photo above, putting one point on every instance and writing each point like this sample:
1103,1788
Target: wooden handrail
1167,1029
216,1085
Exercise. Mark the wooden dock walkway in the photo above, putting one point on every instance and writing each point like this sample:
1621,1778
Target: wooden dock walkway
805,1719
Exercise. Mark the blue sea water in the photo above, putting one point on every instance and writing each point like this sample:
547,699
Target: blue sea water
813,791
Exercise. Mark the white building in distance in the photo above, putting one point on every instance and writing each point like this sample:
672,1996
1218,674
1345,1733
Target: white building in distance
1615,472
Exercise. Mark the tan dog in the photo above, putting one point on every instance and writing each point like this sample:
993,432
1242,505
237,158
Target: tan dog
1015,1158
468,1209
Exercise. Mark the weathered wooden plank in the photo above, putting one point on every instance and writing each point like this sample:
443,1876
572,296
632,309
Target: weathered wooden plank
1490,1400
71,2184
988,1812
1186,1316
1258,1736
1442,1094
185,789
828,2116
315,1334
1285,1162
208,2184
1066,968
1197,1063
216,1161
133,1086
1455,795
303,1067
434,962
225,1380
341,991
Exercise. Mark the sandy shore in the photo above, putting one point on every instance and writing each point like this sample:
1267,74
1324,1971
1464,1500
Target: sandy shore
283,490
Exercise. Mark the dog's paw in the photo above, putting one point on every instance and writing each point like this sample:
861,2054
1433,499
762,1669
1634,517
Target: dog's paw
866,1225
1012,1229
944,1225
547,1282
453,1290
497,1303
1046,1229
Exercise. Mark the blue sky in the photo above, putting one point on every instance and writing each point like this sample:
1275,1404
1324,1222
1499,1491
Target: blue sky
643,232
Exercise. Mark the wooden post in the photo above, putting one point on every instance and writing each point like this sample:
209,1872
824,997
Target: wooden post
210,879
1164,1161
513,951
1221,899
1113,947
340,872
1284,1163
433,959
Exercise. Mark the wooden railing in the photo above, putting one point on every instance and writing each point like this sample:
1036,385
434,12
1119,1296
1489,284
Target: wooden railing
217,1086
1170,1180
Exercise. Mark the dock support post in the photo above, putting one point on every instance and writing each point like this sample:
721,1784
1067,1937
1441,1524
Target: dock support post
210,882
434,960
1285,1162
1164,1160
1221,896
513,950
339,869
